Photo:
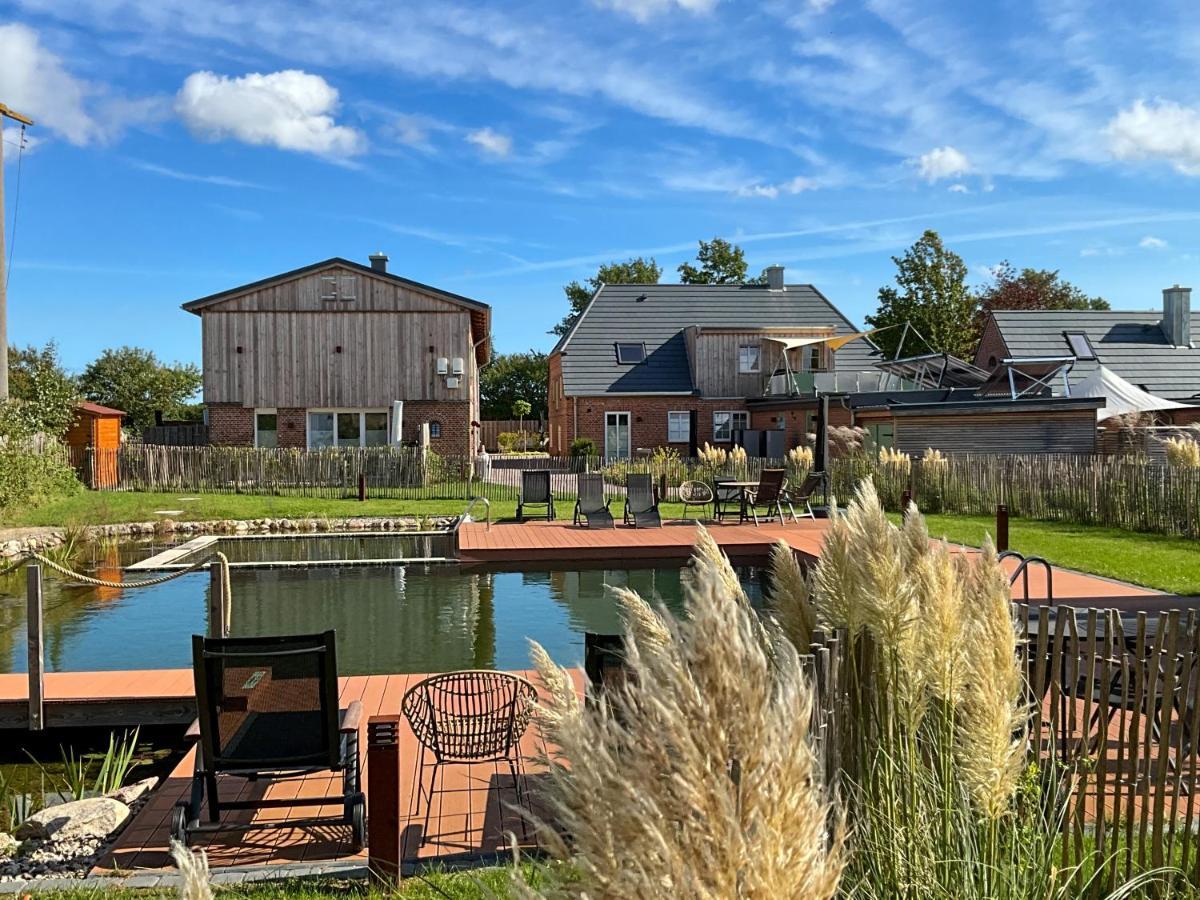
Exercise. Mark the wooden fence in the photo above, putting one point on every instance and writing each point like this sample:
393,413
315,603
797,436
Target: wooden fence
191,435
1114,712
491,429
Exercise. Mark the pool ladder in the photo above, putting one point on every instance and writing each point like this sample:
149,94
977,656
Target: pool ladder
487,514
1022,569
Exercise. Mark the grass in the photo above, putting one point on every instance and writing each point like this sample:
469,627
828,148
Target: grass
104,508
1152,560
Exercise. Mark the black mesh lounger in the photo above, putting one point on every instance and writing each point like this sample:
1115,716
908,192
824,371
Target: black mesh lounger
535,491
641,506
268,710
592,506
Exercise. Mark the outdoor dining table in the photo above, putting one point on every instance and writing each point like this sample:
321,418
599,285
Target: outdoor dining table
743,487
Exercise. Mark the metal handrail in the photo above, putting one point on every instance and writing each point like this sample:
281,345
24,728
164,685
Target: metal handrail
1022,569
487,514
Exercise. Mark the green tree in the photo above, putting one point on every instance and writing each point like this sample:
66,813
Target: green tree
134,380
720,263
1033,289
43,394
520,409
633,271
510,377
932,296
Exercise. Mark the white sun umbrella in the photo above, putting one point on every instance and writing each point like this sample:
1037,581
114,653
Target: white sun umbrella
1120,396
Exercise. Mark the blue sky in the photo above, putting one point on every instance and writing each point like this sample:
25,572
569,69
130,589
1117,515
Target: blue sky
500,150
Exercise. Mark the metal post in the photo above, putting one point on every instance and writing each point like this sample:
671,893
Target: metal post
905,501
34,647
1001,528
362,486
217,626
383,797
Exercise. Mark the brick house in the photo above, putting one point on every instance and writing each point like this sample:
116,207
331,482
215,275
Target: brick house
338,354
676,365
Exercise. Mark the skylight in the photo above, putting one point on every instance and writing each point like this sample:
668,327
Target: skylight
629,353
1080,346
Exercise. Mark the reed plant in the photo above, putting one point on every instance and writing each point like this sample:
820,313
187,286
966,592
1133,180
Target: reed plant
1183,452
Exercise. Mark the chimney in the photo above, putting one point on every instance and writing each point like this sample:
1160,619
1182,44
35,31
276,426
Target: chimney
379,261
774,277
1177,316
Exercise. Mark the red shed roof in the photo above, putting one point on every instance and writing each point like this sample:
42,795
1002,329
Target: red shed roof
95,409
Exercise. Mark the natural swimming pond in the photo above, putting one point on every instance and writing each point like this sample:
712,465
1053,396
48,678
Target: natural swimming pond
418,617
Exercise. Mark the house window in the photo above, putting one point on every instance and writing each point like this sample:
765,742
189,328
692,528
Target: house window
1080,346
749,359
347,428
679,427
881,435
435,429
629,353
811,359
266,428
725,423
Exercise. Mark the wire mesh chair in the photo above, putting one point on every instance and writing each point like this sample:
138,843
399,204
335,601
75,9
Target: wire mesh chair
472,716
695,493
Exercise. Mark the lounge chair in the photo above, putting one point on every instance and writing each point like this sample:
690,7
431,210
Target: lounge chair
535,491
641,505
268,710
770,494
473,716
591,505
812,483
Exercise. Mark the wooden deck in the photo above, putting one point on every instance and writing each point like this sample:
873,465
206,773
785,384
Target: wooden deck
470,817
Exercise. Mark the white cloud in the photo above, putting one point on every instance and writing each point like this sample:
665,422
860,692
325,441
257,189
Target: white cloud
771,191
291,110
34,81
959,188
491,142
167,172
1150,242
820,5
942,162
645,10
1162,130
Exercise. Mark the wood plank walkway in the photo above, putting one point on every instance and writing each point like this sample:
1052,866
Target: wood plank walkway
470,816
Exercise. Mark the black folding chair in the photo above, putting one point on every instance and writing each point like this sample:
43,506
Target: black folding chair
727,499
641,504
812,483
535,491
769,494
591,505
268,710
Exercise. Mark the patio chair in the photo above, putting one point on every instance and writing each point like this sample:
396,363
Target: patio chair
770,494
641,504
812,483
727,499
591,505
472,716
695,493
535,491
268,710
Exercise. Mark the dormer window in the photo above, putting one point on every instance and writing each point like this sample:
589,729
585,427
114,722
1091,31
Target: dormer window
749,359
630,353
339,287
1081,346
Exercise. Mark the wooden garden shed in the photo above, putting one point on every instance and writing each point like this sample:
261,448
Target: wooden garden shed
98,429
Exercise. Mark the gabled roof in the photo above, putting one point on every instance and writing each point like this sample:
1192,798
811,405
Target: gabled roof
481,313
658,316
95,409
1129,342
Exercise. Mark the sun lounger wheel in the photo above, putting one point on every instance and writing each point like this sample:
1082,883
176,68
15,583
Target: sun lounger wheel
358,820
180,816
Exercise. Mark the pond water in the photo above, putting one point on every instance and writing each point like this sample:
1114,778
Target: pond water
389,618
323,548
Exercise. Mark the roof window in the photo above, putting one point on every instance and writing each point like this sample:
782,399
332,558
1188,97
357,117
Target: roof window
630,353
1081,346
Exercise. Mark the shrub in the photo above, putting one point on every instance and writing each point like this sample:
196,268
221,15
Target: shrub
713,457
508,441
583,447
33,469
934,458
894,459
1182,452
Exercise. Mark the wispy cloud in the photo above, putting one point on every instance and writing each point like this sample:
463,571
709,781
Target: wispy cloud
491,142
1150,242
942,162
645,10
178,175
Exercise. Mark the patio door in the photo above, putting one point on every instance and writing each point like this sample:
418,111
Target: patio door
616,435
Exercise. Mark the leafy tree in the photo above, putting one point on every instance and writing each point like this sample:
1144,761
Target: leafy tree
510,377
633,271
521,409
44,394
1033,289
720,263
932,296
133,380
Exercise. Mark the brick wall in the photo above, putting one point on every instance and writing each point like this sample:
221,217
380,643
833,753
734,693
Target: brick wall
648,418
558,410
453,415
231,425
991,346
292,428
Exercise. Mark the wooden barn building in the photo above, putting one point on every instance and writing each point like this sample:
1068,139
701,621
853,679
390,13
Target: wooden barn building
338,354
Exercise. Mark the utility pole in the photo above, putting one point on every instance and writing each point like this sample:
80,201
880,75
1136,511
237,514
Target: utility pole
5,112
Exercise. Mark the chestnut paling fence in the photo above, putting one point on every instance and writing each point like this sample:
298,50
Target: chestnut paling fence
1113,715
1118,491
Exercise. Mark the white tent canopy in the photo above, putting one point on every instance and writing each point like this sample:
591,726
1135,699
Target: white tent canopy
791,343
1120,397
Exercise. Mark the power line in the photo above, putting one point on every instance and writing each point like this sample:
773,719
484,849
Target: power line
12,240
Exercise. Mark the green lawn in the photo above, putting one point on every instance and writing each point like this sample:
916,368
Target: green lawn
1153,560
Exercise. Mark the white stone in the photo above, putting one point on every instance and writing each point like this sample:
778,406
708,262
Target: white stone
131,793
8,845
95,817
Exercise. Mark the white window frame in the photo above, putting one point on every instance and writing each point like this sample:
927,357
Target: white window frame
629,426
617,345
742,367
687,426
434,424
266,411
733,426
362,424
